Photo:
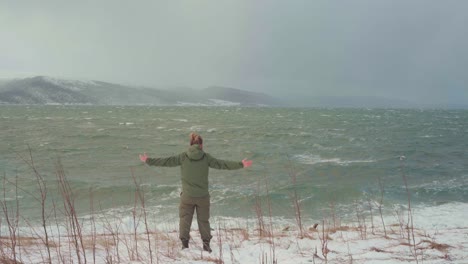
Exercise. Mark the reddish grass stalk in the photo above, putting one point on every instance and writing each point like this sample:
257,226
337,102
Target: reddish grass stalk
401,222
381,188
115,237
17,216
2,250
295,198
410,226
135,227
271,235
41,185
59,252
93,224
371,214
12,222
361,221
324,241
259,212
333,212
70,212
141,196
220,244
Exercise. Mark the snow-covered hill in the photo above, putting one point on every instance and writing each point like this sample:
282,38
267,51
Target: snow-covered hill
47,90
41,90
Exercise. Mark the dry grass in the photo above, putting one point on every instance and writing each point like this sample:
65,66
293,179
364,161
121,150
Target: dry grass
104,241
244,233
6,260
23,241
236,236
434,245
377,250
342,228
209,259
168,246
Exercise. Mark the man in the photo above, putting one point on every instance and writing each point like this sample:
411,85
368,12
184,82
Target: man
195,164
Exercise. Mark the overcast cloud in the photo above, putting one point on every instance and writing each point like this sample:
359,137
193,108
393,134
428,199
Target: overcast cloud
414,50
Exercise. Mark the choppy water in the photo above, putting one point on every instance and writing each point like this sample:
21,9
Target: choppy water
336,155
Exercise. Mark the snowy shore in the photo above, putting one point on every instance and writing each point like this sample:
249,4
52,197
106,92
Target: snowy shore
439,235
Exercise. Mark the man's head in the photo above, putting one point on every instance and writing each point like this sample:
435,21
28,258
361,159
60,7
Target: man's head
196,139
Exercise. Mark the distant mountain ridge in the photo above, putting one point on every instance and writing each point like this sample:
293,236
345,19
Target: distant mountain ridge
41,90
46,90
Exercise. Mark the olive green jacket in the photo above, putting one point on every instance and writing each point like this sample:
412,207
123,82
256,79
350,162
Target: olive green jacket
194,165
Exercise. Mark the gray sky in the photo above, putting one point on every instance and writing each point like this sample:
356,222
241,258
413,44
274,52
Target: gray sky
414,50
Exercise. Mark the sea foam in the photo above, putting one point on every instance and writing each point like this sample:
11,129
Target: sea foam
313,159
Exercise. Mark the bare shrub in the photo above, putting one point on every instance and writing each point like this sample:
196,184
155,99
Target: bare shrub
11,217
380,204
74,225
324,238
295,198
42,187
139,194
409,225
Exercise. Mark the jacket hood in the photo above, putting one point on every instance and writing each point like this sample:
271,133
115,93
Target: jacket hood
195,152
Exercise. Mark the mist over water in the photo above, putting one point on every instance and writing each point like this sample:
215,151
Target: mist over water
336,155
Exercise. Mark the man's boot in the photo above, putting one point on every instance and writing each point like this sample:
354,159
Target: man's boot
206,246
184,243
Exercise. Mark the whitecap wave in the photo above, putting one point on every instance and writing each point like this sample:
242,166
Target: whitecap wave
435,186
196,128
317,159
430,136
180,120
321,147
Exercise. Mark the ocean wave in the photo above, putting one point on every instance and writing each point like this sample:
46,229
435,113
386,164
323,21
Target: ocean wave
11,199
180,120
313,159
443,189
320,147
430,136
173,129
196,128
440,185
100,136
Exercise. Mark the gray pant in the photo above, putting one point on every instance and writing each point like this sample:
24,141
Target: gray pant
187,207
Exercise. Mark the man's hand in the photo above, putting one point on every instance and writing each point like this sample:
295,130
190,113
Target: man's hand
246,163
143,157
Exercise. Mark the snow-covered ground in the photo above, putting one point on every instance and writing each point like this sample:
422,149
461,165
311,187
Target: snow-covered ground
436,239
343,245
